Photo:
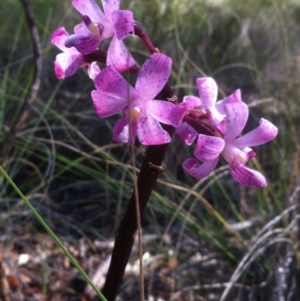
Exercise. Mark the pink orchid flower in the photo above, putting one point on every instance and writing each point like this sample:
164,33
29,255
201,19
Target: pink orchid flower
114,95
205,108
70,60
236,151
97,26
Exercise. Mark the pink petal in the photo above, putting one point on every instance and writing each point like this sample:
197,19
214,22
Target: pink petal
66,64
118,56
247,176
197,170
150,132
84,44
112,83
166,112
153,76
234,97
122,131
236,118
109,6
190,102
89,8
186,133
232,153
58,38
208,147
107,105
266,131
123,23
208,91
93,70
82,29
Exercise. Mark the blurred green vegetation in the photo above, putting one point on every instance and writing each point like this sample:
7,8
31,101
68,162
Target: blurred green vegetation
64,159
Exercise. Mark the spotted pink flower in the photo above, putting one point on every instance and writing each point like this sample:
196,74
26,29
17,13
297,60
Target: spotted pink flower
97,26
236,151
143,114
70,60
205,108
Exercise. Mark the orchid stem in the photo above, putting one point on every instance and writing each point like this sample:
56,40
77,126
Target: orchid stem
150,170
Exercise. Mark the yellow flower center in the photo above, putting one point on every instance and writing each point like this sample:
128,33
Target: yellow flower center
95,29
134,113
241,157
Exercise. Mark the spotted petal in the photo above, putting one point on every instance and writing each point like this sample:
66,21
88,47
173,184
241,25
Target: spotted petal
150,132
153,76
110,6
187,133
266,131
247,176
89,8
66,64
237,116
166,112
93,70
191,102
122,131
112,83
208,147
85,44
107,105
58,38
197,170
234,97
208,91
123,23
82,28
118,56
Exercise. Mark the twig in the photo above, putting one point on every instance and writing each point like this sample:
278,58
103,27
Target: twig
32,92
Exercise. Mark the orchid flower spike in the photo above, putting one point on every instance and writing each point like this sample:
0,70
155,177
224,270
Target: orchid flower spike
97,26
236,151
114,95
70,60
205,108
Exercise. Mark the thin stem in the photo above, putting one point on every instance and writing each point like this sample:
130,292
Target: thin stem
140,32
137,206
139,226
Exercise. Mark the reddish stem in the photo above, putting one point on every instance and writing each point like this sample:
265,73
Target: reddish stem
140,32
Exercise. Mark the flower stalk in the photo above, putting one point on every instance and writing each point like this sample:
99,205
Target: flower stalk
126,232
